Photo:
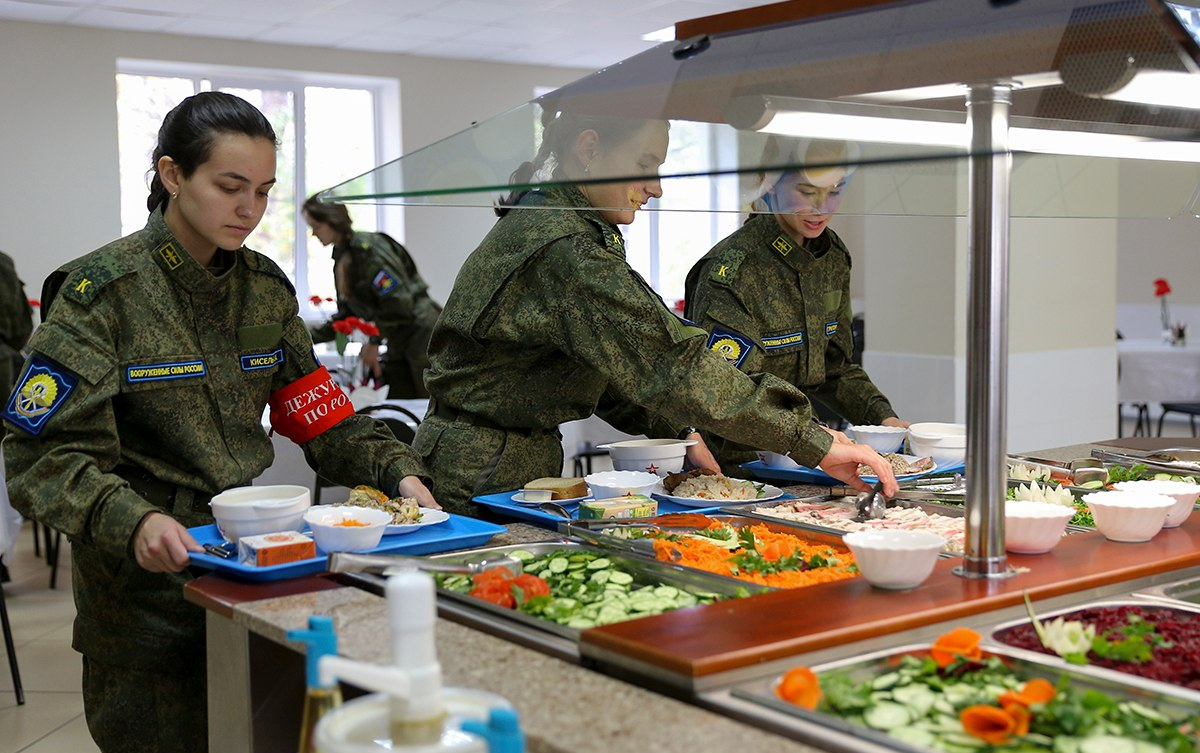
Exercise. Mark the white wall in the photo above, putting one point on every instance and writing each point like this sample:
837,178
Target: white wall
58,131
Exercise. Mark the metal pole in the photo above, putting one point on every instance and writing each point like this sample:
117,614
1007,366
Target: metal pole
988,172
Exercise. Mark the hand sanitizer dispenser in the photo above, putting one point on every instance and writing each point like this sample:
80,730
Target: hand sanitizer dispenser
411,711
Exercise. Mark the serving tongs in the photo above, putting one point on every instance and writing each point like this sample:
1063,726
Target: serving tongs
1173,459
1076,472
917,490
389,564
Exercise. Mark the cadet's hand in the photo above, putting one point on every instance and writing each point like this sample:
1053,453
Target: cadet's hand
842,463
699,456
896,422
411,486
838,436
161,544
370,360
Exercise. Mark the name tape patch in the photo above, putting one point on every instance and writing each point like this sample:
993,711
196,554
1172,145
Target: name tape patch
256,361
309,406
783,341
384,282
158,372
41,391
732,346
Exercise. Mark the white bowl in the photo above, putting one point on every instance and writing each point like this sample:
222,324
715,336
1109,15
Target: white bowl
895,559
1128,516
945,443
658,456
332,535
1184,494
882,438
254,510
1034,527
608,484
776,460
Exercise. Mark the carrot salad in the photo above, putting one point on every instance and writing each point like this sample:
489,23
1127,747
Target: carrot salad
761,556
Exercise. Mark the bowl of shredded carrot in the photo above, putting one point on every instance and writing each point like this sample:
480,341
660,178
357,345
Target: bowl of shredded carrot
757,554
346,528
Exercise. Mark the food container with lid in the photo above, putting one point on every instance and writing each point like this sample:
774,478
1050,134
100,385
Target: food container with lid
255,510
657,456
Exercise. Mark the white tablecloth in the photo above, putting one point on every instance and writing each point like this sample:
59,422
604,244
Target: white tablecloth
1154,372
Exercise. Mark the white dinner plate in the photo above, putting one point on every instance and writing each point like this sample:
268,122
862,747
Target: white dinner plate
519,498
428,518
768,492
908,459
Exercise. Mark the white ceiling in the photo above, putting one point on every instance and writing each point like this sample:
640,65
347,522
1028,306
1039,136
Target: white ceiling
574,33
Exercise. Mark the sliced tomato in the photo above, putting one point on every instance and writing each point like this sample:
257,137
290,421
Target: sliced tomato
531,585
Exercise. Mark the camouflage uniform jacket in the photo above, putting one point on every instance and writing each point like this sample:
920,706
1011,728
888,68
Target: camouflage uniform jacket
16,323
378,281
775,307
147,359
548,323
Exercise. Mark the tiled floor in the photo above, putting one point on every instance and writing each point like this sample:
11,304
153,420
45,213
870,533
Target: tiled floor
51,721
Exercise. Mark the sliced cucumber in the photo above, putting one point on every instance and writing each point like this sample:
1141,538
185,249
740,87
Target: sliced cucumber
886,715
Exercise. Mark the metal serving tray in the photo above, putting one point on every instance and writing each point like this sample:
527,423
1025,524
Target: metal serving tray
991,642
1185,593
950,511
835,734
604,533
551,637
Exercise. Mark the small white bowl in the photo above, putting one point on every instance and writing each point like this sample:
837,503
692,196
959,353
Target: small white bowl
608,484
1128,516
895,559
1034,527
776,460
658,456
1182,492
882,438
332,535
945,443
254,510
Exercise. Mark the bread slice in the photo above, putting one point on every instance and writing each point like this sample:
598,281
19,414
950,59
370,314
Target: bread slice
560,488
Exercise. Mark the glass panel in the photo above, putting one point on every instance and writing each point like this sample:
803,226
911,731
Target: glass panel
142,102
1086,82
276,233
339,140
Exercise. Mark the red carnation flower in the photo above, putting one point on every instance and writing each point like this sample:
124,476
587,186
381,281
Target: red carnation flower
1161,286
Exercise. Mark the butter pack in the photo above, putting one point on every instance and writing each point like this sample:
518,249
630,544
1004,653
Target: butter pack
275,548
629,506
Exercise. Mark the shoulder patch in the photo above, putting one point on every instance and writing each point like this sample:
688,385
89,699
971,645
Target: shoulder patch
43,389
730,345
383,282
260,263
84,283
724,268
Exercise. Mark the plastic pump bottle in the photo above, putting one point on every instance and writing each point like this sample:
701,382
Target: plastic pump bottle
412,712
318,698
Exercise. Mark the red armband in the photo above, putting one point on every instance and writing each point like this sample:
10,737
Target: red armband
309,406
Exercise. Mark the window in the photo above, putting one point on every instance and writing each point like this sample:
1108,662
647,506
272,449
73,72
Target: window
329,129
663,245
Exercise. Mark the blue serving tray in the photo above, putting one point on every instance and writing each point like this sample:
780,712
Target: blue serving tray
803,475
459,532
501,502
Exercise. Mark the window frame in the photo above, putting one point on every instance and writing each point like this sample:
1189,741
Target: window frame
388,138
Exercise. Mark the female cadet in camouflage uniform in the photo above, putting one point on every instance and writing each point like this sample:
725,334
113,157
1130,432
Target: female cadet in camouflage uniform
775,295
548,323
143,396
377,280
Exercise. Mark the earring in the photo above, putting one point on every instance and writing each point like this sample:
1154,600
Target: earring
587,168
174,194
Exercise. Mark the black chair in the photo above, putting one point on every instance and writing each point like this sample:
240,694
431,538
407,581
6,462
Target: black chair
402,422
1190,409
11,650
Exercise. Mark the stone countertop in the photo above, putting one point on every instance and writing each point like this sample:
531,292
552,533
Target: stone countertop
564,708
